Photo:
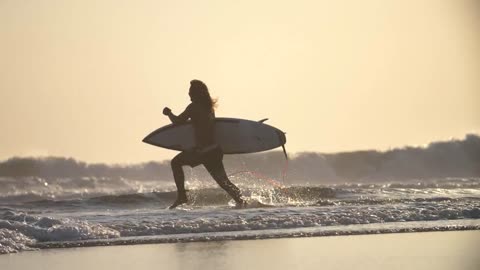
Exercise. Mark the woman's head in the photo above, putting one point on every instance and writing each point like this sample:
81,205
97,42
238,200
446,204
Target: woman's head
199,94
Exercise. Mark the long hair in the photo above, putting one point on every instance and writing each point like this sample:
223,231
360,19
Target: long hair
200,95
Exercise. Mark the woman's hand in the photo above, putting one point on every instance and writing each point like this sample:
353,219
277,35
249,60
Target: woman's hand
167,111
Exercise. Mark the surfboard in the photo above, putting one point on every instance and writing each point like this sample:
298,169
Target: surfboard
235,136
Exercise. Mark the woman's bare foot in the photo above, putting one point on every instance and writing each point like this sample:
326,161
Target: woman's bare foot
240,203
178,201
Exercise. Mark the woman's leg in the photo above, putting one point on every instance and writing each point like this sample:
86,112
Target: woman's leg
217,171
182,159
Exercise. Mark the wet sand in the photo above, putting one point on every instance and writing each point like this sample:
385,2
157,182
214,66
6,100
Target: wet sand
432,250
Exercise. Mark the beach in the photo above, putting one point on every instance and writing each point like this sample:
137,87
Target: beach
240,135
427,250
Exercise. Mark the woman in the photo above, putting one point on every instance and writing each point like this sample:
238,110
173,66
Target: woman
206,151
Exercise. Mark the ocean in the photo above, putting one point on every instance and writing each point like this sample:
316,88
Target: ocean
59,202
38,213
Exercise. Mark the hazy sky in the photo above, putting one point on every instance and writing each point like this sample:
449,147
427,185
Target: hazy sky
89,79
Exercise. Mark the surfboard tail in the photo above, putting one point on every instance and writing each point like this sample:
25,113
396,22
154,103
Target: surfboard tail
283,140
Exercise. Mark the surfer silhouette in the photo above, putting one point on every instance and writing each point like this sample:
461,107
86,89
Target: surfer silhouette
201,112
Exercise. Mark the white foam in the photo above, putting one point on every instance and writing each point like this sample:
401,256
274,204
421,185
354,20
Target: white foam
377,228
21,230
12,241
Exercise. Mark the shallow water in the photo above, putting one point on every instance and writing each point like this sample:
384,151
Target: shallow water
60,215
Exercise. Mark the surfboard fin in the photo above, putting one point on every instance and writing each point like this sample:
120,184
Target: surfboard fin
263,120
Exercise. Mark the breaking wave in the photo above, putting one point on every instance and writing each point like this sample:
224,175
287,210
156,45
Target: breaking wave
20,231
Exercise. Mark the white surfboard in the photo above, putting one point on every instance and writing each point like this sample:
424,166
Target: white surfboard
235,136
